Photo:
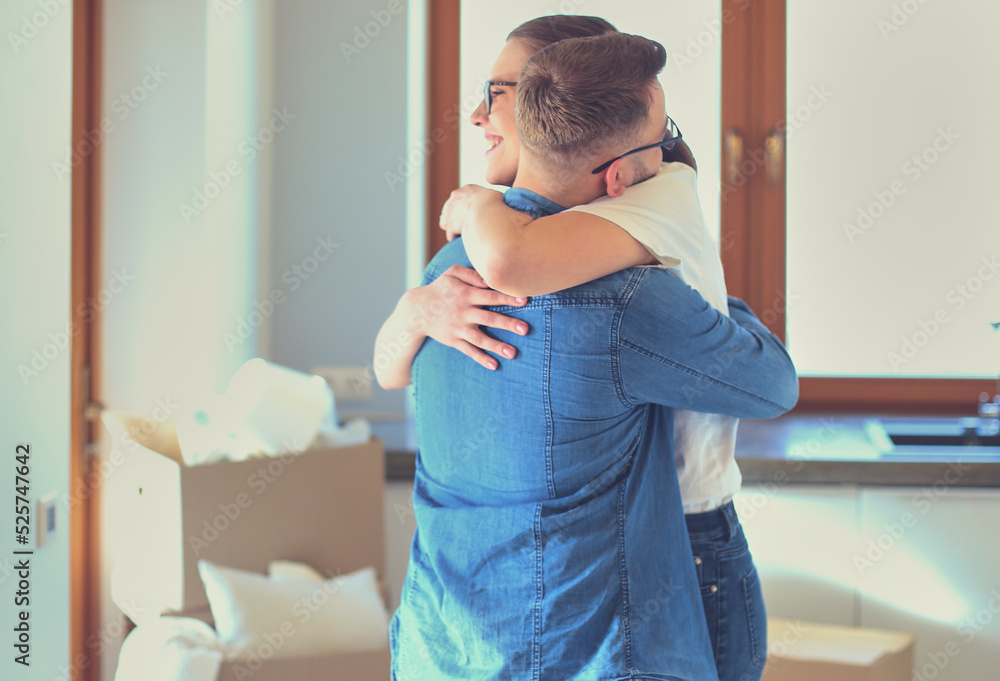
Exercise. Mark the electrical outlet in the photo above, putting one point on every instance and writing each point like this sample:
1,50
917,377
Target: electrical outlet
350,384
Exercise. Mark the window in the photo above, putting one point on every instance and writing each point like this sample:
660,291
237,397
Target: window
886,303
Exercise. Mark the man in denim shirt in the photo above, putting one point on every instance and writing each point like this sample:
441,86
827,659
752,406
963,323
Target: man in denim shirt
551,542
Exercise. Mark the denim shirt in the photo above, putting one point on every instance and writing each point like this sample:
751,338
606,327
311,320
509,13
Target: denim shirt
551,543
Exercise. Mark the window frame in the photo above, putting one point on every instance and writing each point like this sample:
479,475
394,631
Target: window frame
753,236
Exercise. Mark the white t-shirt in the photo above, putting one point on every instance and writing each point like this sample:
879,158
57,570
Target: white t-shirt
664,214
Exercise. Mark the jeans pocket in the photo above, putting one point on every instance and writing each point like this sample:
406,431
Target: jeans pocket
756,618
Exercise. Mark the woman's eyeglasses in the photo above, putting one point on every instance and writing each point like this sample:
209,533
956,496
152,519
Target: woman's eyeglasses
488,96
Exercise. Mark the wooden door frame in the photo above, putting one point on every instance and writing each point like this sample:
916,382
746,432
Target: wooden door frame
84,489
443,77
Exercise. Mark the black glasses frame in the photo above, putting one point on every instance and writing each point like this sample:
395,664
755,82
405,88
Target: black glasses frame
488,96
666,143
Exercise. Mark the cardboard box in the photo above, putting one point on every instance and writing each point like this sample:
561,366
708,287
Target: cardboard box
797,651
323,507
369,666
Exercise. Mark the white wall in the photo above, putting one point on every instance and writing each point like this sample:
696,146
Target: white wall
350,109
35,107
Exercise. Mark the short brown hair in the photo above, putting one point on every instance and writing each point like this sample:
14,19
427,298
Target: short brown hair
581,97
544,31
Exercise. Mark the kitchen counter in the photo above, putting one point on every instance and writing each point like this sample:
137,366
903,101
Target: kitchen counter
834,449
823,449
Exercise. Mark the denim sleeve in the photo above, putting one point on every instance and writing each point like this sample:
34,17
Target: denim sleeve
677,350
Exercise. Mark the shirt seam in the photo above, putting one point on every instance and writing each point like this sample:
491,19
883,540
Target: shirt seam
550,482
536,638
623,578
616,340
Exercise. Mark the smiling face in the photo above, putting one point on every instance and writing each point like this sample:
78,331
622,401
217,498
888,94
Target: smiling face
498,125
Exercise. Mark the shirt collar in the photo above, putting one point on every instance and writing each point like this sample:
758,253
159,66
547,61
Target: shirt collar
529,202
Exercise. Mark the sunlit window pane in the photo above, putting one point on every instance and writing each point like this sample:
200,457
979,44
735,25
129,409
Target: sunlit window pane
893,244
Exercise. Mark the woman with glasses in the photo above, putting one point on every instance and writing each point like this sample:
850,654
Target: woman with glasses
656,222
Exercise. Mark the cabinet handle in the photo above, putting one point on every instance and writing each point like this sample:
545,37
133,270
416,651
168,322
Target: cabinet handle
733,143
774,149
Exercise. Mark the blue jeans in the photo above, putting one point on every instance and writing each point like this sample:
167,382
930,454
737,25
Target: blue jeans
730,592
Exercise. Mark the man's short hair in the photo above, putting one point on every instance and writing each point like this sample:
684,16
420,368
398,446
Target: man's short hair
581,98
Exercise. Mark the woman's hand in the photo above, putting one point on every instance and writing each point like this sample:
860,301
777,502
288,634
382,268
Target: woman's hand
449,310
457,209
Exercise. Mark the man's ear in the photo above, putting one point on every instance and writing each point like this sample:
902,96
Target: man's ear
614,178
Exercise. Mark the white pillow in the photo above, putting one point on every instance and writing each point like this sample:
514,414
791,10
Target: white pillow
290,569
295,617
